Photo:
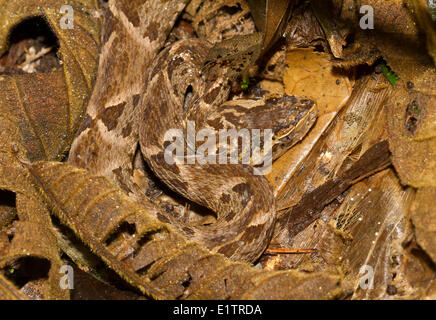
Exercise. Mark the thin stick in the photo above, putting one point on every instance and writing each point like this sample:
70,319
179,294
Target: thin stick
289,251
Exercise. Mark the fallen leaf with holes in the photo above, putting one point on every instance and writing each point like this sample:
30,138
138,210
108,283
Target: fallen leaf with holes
29,133
412,126
48,130
165,264
343,199
27,238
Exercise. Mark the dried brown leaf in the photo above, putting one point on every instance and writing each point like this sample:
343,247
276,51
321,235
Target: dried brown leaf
8,291
32,235
155,258
324,10
423,216
48,115
351,148
221,20
270,17
374,215
309,69
412,126
421,9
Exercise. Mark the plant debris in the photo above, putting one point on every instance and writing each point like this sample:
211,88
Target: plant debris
353,195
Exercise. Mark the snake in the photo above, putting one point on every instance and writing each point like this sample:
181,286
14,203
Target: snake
189,80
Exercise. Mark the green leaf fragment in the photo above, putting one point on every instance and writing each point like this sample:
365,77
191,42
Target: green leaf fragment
389,74
245,83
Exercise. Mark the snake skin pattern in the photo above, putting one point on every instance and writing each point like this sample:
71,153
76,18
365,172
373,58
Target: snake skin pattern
143,93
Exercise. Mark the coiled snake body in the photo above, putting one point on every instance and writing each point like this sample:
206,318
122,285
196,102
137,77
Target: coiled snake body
140,96
243,202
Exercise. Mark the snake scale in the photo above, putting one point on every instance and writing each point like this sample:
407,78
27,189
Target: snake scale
142,92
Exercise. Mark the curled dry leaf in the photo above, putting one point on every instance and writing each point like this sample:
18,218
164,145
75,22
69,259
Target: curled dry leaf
9,292
353,147
38,122
31,236
421,9
270,17
154,257
48,115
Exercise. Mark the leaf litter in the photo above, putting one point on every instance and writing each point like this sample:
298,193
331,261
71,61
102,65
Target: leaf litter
358,189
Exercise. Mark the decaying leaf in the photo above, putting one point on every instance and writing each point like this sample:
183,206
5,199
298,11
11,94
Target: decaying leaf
412,121
271,17
49,106
309,69
365,230
358,190
213,19
38,122
374,215
30,237
8,291
350,149
412,127
422,12
153,257
423,219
